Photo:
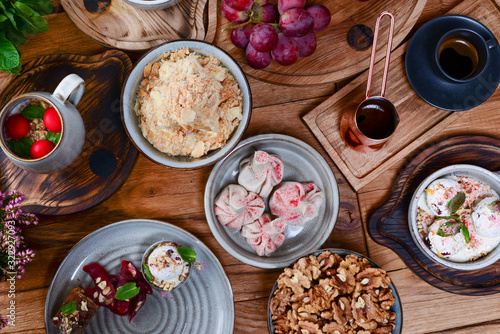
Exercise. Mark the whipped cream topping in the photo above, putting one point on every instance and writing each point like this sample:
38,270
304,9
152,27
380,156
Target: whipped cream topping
486,220
167,267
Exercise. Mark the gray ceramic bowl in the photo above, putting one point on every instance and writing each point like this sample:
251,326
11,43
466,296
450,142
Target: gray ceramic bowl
484,176
302,163
152,4
130,119
397,307
145,260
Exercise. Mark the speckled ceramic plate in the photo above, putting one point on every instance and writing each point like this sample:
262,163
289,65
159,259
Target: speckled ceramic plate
397,308
302,163
203,305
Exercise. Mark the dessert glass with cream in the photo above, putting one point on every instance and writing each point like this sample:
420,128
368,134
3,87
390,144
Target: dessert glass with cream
166,267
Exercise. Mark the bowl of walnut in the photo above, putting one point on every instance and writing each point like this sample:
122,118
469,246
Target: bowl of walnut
186,104
334,291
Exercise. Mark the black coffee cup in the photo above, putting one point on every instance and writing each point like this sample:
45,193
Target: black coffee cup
462,55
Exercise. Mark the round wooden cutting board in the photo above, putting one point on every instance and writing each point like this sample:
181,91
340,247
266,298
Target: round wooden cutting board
343,48
117,24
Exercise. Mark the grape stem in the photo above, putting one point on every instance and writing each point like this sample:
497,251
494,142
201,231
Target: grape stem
251,20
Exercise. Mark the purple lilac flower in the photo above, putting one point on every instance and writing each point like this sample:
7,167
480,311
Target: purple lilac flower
3,322
12,217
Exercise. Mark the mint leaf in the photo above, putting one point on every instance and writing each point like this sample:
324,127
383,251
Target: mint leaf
187,254
147,272
454,217
53,137
456,202
21,147
494,206
465,232
127,291
33,112
68,308
9,57
35,23
42,7
449,228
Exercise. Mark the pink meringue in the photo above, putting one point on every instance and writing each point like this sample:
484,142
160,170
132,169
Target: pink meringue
236,207
296,202
265,235
261,173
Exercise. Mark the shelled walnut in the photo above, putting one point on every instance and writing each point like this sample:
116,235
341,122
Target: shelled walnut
329,294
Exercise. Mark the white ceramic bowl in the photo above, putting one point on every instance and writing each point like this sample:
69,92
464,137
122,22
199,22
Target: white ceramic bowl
484,176
131,122
152,4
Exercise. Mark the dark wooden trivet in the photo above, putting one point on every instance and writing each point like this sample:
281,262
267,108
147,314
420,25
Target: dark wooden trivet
107,156
388,225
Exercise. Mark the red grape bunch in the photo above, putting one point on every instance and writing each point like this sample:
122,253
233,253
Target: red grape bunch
266,32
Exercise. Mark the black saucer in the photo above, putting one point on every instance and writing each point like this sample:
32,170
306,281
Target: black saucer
423,74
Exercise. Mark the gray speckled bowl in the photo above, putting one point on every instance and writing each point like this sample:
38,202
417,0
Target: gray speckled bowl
130,119
484,176
397,307
302,163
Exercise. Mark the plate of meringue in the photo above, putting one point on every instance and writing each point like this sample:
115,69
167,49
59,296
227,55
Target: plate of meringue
271,200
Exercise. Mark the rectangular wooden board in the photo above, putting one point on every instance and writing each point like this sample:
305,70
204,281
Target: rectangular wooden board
418,119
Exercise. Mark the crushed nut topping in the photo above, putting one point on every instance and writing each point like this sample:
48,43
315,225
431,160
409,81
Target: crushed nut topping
188,104
330,294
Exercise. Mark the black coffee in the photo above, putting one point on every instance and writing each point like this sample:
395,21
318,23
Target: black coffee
376,118
458,58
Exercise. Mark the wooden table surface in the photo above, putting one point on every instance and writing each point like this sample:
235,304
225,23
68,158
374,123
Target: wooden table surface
426,309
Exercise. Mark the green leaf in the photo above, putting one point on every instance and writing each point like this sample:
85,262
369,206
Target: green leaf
465,232
42,7
456,202
9,57
187,254
68,308
494,206
16,37
454,217
33,112
36,23
3,17
53,137
21,146
127,291
449,228
147,272
7,9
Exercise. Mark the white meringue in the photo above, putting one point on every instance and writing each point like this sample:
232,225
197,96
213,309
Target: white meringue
261,173
296,202
265,235
236,207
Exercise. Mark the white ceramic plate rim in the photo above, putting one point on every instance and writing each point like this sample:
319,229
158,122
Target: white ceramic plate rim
485,261
134,221
269,262
130,89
